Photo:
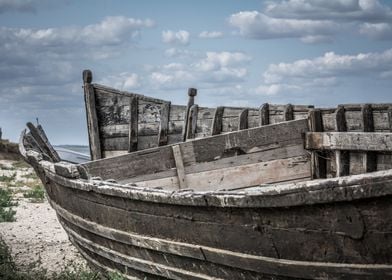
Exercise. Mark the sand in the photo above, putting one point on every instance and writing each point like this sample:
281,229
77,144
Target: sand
36,238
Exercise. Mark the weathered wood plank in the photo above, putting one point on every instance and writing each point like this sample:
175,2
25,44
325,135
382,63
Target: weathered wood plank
288,112
42,142
180,167
164,125
217,122
264,114
369,159
133,124
192,92
92,120
318,161
351,141
192,122
243,117
342,157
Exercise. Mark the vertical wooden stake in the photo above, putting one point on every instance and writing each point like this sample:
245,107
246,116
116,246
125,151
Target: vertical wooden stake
192,122
264,114
342,157
179,166
369,158
243,119
217,121
133,124
91,114
318,159
288,112
164,124
192,92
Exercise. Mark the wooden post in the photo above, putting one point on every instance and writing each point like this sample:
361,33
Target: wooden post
217,121
288,112
133,123
370,158
192,122
318,160
390,118
192,92
91,113
164,124
342,157
179,166
264,114
243,119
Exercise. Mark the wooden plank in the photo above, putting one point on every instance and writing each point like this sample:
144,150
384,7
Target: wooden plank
133,124
192,92
217,122
42,142
342,157
179,166
274,171
192,122
92,120
164,124
390,118
351,141
243,117
264,114
288,112
318,161
369,159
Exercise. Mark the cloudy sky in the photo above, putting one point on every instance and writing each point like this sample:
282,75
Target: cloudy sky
322,52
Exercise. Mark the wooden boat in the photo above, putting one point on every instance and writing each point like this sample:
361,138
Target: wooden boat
187,192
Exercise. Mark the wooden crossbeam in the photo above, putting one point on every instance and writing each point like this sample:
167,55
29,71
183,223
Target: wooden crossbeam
350,141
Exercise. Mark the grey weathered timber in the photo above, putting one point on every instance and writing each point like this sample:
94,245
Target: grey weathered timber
92,120
318,161
192,122
192,92
264,114
163,124
342,157
133,124
179,166
217,121
369,158
41,140
243,117
288,112
350,141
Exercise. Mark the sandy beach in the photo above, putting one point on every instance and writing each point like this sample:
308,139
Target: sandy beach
36,238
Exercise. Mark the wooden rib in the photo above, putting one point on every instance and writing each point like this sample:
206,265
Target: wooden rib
163,124
218,121
260,264
318,161
133,124
192,122
390,118
92,120
288,112
192,92
44,145
179,166
243,117
369,159
342,157
351,141
264,114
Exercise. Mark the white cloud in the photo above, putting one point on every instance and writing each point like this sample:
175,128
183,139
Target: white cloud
180,37
210,34
315,21
380,31
212,70
327,71
180,53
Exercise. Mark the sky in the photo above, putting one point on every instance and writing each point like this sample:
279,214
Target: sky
235,52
